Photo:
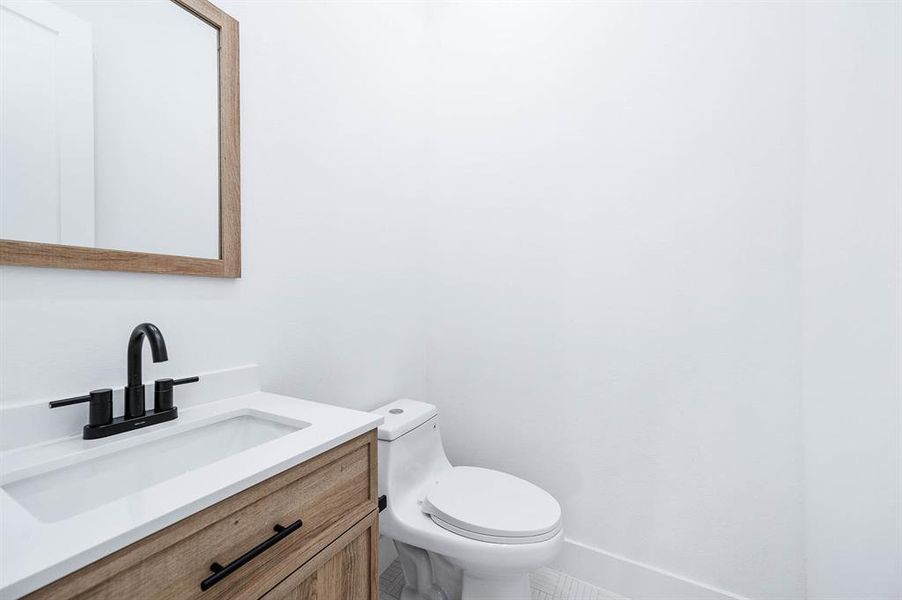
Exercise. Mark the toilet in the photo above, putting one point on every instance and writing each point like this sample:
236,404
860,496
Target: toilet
462,533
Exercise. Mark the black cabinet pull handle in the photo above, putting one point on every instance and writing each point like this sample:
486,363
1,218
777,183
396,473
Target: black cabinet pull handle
221,572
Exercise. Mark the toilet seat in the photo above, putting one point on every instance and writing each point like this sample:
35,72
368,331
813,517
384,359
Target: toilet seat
492,506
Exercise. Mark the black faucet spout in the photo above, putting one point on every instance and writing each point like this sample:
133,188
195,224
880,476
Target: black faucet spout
134,390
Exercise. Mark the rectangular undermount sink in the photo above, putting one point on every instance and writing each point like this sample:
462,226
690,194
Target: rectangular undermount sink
67,491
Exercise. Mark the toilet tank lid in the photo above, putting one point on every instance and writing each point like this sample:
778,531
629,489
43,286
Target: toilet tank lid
402,416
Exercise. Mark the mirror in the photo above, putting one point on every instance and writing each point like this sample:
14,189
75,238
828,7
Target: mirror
119,135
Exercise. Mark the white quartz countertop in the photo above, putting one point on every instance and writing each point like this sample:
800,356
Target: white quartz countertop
35,552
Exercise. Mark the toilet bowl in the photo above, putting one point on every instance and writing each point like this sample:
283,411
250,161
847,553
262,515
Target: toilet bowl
461,532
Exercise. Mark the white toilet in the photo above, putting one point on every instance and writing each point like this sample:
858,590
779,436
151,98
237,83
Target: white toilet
461,532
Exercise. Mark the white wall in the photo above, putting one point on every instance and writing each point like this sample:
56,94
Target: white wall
332,140
852,263
615,304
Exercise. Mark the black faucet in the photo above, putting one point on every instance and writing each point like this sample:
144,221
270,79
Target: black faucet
100,416
134,389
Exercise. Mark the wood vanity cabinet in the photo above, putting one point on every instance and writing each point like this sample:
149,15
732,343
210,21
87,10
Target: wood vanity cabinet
332,555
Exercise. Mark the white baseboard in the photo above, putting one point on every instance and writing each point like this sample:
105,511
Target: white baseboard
632,579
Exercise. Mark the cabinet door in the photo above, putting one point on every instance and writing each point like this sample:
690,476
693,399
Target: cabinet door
346,570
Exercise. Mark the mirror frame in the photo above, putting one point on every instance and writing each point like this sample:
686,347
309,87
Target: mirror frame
35,254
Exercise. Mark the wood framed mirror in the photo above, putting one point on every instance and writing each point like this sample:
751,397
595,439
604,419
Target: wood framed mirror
120,146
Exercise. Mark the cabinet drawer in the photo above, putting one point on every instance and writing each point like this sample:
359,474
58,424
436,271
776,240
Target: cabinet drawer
329,494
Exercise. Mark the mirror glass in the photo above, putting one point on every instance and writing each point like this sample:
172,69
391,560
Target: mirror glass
109,126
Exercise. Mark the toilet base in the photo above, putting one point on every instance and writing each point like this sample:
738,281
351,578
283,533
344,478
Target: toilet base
419,579
430,576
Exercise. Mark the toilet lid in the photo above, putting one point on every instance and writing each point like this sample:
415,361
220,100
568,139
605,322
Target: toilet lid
492,506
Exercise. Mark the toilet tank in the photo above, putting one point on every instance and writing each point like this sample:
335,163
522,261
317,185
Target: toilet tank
410,448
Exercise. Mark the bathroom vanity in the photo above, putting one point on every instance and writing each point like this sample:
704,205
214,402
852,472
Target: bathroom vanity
251,496
330,499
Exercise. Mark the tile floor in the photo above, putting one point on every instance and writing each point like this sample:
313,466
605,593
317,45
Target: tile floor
547,584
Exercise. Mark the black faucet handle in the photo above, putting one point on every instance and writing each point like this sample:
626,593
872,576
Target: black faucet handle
70,401
167,383
162,391
100,411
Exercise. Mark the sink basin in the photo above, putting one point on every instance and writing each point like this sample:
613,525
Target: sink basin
67,491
